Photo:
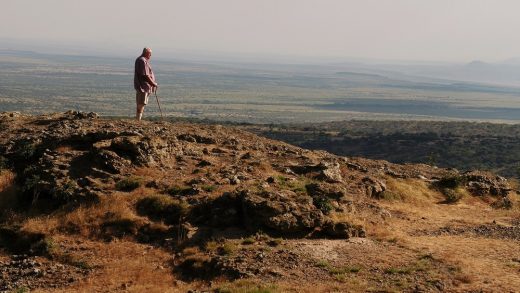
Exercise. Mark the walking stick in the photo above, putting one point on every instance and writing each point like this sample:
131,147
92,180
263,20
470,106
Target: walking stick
157,98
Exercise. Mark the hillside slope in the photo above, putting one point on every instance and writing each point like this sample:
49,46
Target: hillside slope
96,205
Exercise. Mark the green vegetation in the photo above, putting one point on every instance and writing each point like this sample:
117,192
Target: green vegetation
461,145
129,183
248,241
452,188
162,207
65,191
208,188
228,248
339,273
179,190
323,203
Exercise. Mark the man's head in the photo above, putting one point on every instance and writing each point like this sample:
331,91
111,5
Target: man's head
147,53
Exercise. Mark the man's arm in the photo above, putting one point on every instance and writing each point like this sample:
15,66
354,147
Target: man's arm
149,79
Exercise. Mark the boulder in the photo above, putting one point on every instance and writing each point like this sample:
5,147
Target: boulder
373,186
140,150
325,189
281,212
343,230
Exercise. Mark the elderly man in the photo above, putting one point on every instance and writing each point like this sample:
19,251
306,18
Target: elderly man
144,81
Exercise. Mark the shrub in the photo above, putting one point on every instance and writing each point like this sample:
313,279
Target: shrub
162,207
452,195
128,184
27,149
451,182
323,203
3,163
65,191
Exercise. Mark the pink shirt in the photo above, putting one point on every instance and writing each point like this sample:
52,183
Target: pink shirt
143,69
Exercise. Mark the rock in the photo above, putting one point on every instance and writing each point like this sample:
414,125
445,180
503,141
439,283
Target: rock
325,189
343,230
196,138
483,183
246,156
110,161
279,211
329,172
204,163
234,180
373,186
140,150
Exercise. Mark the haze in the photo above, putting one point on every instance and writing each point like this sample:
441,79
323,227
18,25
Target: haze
440,30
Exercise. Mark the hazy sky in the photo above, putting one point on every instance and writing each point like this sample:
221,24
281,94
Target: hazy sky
443,30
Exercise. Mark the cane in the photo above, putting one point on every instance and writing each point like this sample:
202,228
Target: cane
158,104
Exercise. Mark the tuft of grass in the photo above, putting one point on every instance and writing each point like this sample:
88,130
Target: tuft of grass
179,190
228,248
453,195
248,241
129,184
296,185
211,246
389,196
323,264
208,188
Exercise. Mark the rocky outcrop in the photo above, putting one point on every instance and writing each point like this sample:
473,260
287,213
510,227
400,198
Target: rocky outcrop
283,212
483,183
219,173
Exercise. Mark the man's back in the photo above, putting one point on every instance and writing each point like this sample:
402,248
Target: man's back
142,70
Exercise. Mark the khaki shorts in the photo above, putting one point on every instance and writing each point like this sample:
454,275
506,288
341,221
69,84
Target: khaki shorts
142,98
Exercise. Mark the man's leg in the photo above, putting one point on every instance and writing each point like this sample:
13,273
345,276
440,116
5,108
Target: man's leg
139,112
141,100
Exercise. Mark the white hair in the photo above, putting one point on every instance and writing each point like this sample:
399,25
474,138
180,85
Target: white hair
146,49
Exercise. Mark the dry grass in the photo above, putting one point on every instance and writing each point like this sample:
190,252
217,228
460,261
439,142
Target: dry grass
86,220
483,263
64,149
415,191
8,190
123,266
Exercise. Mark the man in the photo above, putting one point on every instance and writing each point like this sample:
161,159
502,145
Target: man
144,81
